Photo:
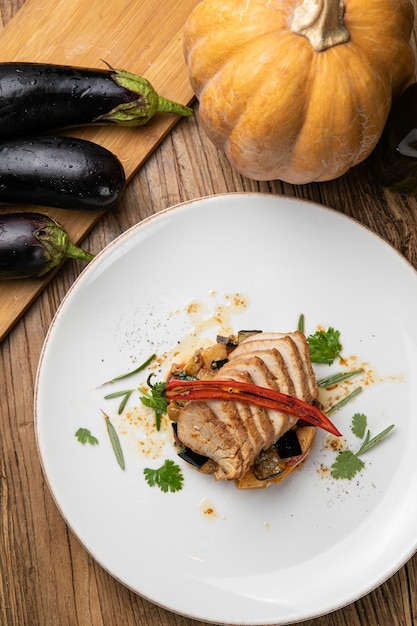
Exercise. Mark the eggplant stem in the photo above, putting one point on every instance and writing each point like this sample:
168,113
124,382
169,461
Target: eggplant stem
75,252
58,245
148,103
169,106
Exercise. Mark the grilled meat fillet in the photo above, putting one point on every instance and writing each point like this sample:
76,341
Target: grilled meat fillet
232,434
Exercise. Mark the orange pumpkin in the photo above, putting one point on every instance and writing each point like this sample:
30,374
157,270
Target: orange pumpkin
297,90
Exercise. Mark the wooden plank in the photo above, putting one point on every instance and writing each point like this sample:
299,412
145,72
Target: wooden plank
137,35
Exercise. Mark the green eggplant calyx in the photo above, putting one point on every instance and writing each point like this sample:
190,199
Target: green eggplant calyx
140,111
58,246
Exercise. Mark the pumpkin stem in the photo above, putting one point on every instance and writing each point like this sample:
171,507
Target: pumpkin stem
321,21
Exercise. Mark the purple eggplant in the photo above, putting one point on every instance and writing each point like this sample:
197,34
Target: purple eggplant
62,172
49,97
32,244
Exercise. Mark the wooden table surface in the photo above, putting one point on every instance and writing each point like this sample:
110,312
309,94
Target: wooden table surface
46,576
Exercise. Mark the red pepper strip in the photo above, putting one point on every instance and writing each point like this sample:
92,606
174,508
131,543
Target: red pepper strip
215,389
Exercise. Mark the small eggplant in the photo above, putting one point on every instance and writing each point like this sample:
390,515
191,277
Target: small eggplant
62,172
51,97
288,445
32,244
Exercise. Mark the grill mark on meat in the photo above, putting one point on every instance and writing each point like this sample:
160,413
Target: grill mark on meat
200,429
296,358
254,417
273,423
253,364
251,417
275,363
228,412
304,352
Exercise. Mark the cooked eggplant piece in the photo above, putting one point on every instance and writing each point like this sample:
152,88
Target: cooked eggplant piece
216,365
230,341
245,334
271,463
268,465
213,355
288,445
306,435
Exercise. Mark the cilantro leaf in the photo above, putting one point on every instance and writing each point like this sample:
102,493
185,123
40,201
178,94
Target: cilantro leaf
168,477
155,399
324,346
84,436
346,465
359,425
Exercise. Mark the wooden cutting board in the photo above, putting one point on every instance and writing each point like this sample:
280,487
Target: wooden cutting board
140,36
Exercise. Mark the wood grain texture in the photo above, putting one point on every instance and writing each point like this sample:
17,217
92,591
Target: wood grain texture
46,576
140,36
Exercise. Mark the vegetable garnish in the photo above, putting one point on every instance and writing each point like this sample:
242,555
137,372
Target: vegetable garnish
84,436
182,390
156,399
349,463
359,425
125,395
369,443
324,346
168,477
135,371
115,442
338,378
344,401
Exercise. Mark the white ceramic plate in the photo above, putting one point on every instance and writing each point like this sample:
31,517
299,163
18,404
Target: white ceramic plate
211,552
